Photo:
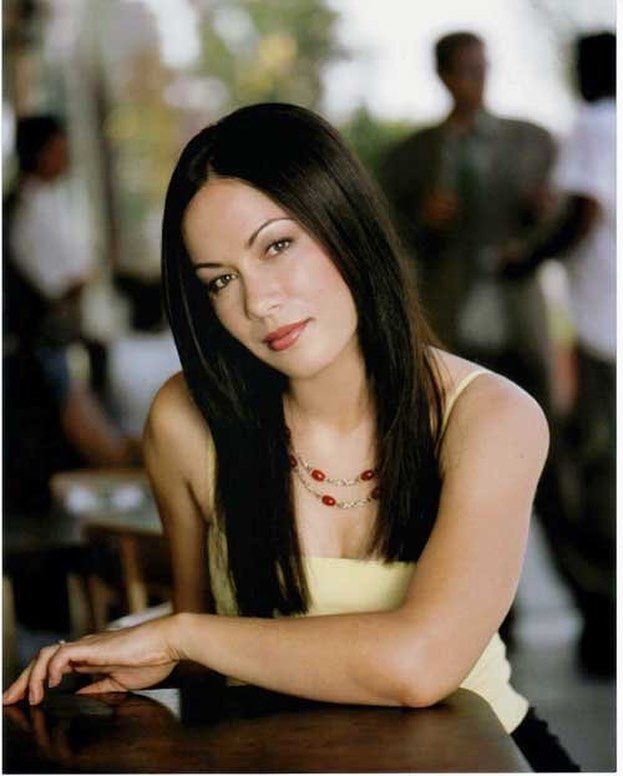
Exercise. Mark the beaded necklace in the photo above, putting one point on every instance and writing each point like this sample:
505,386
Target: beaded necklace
300,465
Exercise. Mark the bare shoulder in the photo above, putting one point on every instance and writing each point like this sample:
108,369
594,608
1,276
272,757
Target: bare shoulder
491,385
451,368
173,411
491,410
177,438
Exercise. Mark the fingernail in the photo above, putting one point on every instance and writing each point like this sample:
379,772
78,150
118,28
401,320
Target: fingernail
53,681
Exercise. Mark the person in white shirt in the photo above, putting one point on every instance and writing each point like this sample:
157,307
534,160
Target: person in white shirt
56,422
585,237
47,243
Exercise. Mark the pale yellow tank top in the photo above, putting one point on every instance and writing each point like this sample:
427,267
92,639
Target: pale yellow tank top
341,586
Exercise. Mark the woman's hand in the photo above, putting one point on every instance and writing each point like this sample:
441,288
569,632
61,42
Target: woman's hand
131,658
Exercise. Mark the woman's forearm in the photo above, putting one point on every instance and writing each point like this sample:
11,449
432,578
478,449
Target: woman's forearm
359,658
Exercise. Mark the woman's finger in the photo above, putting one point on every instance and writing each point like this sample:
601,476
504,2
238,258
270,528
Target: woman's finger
57,669
108,684
18,689
39,672
72,657
95,668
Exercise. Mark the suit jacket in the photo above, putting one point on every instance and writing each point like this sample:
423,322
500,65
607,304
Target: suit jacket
515,162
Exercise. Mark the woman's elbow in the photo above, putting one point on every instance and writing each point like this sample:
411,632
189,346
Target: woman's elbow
419,690
419,678
417,695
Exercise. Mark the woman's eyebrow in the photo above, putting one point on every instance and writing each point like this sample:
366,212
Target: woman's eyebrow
251,239
248,244
207,265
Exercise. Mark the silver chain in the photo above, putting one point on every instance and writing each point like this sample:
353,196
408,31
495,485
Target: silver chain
340,481
338,502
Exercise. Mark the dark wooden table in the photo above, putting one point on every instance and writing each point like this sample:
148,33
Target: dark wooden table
204,727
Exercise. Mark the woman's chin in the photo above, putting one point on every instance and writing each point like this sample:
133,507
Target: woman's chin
299,367
300,371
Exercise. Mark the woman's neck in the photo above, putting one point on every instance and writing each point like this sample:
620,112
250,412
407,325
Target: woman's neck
337,399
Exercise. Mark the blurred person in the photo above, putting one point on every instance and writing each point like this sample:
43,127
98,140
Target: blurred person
47,246
461,190
380,575
53,421
584,237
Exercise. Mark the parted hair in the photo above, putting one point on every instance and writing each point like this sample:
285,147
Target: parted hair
299,160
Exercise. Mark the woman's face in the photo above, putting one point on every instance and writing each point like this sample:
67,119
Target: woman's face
273,287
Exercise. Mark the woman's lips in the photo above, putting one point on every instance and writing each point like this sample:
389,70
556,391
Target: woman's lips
283,338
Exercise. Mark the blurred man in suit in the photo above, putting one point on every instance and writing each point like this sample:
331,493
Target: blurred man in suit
461,190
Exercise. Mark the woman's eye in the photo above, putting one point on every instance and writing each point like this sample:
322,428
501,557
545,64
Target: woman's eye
219,283
279,246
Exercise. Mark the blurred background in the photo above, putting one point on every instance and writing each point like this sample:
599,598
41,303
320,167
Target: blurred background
127,83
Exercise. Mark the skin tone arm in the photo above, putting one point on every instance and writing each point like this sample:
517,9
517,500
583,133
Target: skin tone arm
171,468
464,582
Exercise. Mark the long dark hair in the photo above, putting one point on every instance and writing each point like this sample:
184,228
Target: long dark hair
299,161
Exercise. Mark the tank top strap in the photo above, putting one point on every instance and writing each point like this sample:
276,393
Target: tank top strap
462,385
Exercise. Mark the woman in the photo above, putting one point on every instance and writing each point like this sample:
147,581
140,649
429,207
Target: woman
316,445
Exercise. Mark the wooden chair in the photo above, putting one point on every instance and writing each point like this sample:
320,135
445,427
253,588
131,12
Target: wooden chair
130,570
129,567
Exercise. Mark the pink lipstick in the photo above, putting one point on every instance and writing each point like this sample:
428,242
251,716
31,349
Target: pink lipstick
286,336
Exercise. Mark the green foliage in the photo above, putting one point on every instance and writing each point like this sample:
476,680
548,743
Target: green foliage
371,138
269,50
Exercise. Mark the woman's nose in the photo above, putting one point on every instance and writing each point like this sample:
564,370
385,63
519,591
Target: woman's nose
262,295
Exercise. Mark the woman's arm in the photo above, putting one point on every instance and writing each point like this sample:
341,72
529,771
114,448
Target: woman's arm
177,450
463,584
462,587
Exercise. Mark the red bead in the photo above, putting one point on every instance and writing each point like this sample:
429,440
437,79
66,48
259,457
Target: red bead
292,462
318,475
328,501
376,493
367,475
